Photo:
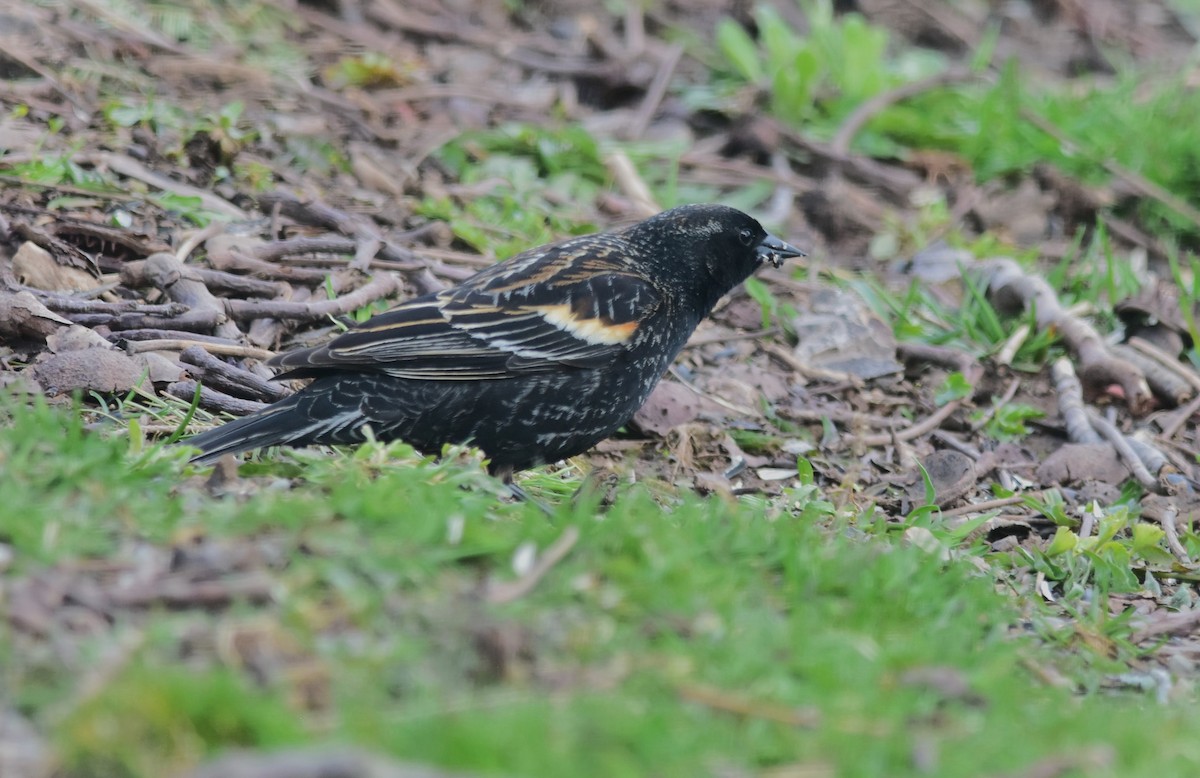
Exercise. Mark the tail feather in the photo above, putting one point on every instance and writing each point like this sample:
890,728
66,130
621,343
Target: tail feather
323,413
280,423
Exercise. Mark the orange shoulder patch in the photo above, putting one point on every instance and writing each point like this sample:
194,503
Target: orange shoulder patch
597,331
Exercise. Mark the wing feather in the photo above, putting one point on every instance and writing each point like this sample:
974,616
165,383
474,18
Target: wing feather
559,305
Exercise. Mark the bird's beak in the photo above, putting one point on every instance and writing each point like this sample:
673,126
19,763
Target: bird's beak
773,250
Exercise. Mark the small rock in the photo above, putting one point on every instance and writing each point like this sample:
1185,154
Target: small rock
93,369
1079,462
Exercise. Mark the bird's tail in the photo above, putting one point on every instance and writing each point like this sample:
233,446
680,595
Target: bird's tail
278,424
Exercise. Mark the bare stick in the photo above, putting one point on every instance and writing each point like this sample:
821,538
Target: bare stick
1173,623
182,284
179,344
191,321
927,425
840,145
1166,360
1010,286
1136,181
1168,385
990,505
808,371
718,699
1172,534
1125,452
657,89
67,304
236,284
1181,417
382,285
196,239
631,183
991,412
499,593
131,168
212,400
230,379
1070,403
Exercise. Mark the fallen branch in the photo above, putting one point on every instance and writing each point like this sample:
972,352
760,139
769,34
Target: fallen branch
991,505
212,400
1125,451
839,147
211,345
193,321
1170,387
657,89
236,284
925,426
69,304
182,284
721,700
1181,417
631,184
1171,363
990,413
502,592
231,252
1009,287
382,285
307,762
1135,181
1171,531
131,168
184,592
228,378
808,372
1070,403
1179,623
363,231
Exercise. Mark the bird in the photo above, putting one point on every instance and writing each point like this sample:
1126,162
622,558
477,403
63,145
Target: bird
533,360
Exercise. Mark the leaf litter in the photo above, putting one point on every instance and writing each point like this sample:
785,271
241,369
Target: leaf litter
148,251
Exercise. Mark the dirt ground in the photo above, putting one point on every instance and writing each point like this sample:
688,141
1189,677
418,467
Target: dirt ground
103,288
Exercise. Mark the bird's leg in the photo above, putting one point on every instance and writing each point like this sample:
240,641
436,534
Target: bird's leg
505,474
598,483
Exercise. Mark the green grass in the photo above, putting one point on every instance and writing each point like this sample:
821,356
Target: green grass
677,631
792,605
815,80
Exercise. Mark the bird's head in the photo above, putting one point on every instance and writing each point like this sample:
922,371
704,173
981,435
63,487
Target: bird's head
708,248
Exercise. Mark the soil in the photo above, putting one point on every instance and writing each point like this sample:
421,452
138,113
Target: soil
103,290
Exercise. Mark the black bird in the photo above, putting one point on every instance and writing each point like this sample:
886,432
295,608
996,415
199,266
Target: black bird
533,360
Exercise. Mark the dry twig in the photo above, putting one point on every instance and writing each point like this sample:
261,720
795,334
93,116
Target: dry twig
1070,403
728,702
179,344
381,286
1011,287
212,400
228,378
503,592
1118,440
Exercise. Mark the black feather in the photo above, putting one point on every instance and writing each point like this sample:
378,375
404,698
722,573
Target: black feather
533,360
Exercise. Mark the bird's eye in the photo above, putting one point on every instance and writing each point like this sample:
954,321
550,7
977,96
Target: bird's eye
746,236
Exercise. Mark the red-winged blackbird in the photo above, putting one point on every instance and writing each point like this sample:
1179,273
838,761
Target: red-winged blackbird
533,360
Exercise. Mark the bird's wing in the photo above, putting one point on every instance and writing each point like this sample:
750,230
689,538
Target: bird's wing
548,309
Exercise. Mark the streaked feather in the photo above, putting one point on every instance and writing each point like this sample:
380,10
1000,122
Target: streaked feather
532,314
